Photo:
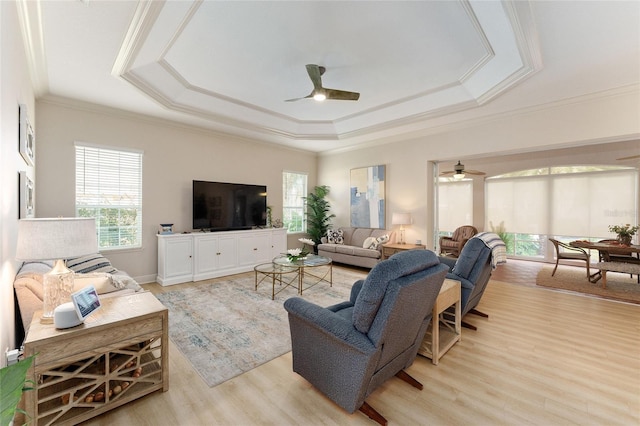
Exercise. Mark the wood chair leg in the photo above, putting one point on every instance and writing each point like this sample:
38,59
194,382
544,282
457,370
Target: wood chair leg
476,312
373,414
554,269
407,378
469,326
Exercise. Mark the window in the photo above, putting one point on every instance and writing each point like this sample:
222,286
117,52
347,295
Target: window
455,204
109,188
294,190
576,202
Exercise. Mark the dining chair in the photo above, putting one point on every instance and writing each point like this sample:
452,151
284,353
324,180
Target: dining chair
565,251
617,256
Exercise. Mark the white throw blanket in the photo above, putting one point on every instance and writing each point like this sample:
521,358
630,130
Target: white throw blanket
497,246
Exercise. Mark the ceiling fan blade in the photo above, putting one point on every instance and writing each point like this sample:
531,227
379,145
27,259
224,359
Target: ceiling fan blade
341,95
448,173
474,172
297,99
632,157
315,74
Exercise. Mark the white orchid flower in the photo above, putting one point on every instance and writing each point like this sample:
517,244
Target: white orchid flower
294,252
307,241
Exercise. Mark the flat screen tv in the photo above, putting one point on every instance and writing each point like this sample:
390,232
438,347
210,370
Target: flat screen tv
221,206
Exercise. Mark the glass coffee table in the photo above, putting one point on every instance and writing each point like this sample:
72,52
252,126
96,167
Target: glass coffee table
276,273
321,267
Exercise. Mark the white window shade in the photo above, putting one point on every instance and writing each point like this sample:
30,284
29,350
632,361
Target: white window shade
520,203
586,204
455,205
569,204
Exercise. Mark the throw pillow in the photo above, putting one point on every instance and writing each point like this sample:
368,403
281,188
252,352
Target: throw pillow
335,236
370,243
100,280
90,263
382,239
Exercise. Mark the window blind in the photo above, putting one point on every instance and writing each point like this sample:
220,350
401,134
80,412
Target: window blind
109,188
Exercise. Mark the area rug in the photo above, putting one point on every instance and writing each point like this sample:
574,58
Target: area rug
225,328
619,286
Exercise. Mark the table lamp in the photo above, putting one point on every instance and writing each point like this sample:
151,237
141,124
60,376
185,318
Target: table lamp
56,239
401,219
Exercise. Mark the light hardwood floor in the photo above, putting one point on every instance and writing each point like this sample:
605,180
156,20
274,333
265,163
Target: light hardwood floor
542,358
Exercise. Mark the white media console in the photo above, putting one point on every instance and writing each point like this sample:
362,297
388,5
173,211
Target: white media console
202,255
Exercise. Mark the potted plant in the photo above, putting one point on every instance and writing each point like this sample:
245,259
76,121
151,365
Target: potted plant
625,232
13,379
318,217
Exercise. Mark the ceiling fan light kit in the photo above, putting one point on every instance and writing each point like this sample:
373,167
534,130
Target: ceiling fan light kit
320,93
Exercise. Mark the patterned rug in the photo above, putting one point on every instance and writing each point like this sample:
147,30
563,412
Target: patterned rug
225,328
619,286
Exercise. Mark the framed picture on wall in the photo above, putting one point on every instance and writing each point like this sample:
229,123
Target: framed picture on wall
26,136
367,199
26,196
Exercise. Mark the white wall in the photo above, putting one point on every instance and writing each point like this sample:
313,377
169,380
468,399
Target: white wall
588,125
15,88
174,155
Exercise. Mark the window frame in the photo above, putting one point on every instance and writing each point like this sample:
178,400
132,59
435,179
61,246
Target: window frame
114,183
299,206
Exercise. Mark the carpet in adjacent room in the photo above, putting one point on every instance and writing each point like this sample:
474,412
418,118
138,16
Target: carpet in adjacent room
619,286
225,328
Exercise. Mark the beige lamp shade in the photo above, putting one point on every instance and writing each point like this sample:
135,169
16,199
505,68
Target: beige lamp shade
401,219
56,238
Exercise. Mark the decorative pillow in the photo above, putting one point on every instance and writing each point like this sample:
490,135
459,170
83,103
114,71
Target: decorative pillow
370,243
381,240
335,236
90,263
100,280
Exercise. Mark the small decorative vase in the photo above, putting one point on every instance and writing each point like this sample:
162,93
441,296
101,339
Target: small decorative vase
625,240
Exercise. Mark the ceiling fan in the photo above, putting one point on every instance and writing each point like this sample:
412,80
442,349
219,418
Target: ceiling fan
459,171
320,93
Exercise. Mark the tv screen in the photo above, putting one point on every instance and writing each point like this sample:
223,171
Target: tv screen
221,206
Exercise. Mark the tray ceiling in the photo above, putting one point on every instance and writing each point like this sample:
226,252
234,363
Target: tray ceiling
229,66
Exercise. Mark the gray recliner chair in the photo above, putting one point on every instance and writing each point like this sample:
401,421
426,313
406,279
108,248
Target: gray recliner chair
347,350
473,269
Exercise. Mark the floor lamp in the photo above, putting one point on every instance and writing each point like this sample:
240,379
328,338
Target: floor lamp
56,239
401,219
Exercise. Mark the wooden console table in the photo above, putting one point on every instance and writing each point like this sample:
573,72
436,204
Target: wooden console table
119,354
445,328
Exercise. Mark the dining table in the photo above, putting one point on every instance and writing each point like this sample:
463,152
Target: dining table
605,250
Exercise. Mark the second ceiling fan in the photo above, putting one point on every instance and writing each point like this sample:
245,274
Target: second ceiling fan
459,172
320,93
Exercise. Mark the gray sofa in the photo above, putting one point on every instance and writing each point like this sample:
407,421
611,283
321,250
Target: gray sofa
349,248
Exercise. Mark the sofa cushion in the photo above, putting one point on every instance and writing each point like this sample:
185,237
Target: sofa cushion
358,251
347,235
335,236
331,248
359,235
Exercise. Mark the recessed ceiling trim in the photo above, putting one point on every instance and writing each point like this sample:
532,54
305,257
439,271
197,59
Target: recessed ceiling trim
142,62
30,20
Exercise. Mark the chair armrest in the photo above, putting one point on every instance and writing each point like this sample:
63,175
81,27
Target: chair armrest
328,323
448,261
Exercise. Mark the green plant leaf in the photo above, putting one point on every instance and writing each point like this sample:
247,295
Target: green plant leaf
12,381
